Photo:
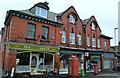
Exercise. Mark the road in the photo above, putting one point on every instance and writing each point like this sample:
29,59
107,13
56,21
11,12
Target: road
108,75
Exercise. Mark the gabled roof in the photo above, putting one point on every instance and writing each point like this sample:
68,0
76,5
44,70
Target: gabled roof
60,14
104,36
86,21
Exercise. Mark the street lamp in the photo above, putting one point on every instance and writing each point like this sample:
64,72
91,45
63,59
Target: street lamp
115,47
115,35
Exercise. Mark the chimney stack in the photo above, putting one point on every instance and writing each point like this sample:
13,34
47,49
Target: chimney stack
46,3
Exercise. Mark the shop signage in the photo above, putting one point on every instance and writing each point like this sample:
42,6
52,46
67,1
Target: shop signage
86,54
94,57
32,47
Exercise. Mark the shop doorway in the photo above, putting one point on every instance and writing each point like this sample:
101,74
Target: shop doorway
34,63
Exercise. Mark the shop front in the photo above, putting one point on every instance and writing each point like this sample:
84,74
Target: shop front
91,59
109,61
33,58
65,53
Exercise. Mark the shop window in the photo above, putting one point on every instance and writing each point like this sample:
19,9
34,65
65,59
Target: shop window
72,38
71,19
45,61
23,59
41,12
88,41
45,33
31,31
79,39
63,37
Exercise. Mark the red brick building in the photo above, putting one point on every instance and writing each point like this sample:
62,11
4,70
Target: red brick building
37,39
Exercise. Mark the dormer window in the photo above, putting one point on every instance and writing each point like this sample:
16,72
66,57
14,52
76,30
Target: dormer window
93,26
41,12
72,19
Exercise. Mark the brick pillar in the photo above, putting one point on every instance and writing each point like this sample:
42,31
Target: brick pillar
11,60
102,62
115,63
56,62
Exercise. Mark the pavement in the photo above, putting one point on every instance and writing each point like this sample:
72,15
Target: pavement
104,74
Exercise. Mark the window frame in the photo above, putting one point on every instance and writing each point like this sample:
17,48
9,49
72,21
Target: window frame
39,11
33,31
79,39
72,38
45,33
93,26
98,43
71,19
63,36
105,43
88,40
93,42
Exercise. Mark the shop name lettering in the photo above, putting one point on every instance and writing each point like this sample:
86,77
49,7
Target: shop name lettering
17,46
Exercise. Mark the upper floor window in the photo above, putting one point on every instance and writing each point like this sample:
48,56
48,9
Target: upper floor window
63,37
31,31
41,12
98,43
88,41
45,33
72,19
105,43
72,38
79,39
93,42
93,26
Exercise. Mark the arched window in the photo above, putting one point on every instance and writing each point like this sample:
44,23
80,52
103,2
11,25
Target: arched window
93,26
71,19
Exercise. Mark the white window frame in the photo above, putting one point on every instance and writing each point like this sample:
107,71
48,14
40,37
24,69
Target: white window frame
72,38
39,12
98,43
63,36
93,42
72,19
88,40
79,39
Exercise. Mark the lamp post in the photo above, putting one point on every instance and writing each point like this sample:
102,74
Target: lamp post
115,36
115,49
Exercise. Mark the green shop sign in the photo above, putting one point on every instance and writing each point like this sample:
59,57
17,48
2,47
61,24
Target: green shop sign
32,47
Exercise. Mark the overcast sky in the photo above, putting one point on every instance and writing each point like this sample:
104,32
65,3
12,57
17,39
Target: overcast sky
105,11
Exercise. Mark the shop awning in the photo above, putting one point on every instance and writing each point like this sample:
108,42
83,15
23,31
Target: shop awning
32,47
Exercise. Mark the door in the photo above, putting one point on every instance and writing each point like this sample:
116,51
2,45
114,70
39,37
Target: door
34,63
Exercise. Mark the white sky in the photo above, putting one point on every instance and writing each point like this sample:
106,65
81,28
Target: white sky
105,11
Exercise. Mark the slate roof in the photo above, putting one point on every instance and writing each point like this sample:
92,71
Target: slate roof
104,36
85,21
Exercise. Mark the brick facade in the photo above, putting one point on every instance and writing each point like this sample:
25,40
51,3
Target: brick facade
15,30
